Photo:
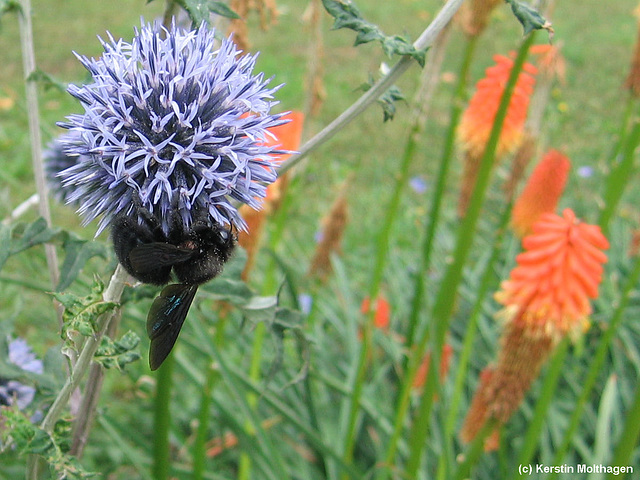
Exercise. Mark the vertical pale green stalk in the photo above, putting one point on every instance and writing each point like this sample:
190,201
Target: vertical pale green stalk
31,94
621,173
211,377
439,191
596,366
402,404
486,281
382,244
445,298
532,437
628,440
162,421
199,446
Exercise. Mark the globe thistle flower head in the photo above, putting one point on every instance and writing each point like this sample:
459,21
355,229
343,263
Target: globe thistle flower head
174,120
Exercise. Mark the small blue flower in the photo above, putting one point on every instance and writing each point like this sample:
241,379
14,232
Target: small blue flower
11,390
418,185
585,171
176,119
306,303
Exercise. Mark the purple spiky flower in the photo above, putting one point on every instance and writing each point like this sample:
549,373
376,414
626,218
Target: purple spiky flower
11,391
176,119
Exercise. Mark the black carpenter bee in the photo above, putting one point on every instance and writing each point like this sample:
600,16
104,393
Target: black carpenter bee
196,255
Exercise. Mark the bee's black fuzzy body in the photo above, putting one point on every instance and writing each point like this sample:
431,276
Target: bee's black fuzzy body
195,255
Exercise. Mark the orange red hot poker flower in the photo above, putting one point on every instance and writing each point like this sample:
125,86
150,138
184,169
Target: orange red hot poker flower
545,299
559,272
477,120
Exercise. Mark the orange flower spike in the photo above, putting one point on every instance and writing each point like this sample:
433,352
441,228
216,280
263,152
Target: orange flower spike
545,298
556,276
287,137
541,193
477,120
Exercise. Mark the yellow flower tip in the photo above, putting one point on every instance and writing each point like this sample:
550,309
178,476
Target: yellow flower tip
541,193
477,120
555,277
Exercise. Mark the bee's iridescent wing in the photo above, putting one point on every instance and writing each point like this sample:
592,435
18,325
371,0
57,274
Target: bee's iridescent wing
165,320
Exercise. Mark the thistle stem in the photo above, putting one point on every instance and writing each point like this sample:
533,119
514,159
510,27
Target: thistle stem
370,96
89,403
111,294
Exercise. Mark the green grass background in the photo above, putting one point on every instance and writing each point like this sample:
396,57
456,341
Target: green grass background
582,119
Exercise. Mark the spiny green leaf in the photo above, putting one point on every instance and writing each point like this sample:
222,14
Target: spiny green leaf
17,429
529,17
338,9
347,15
387,100
81,313
401,46
7,6
119,353
20,433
